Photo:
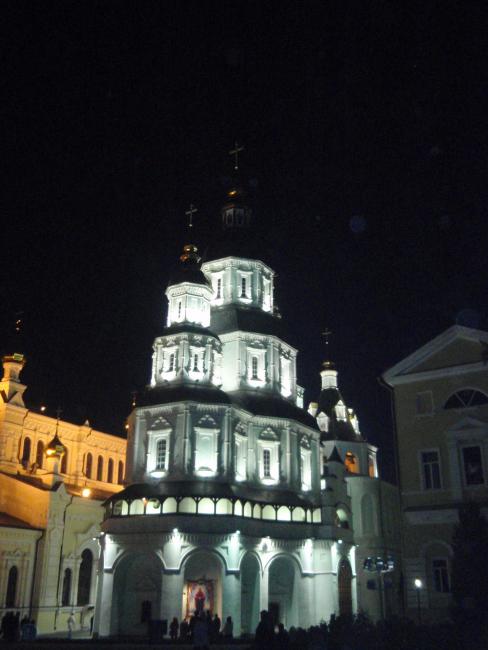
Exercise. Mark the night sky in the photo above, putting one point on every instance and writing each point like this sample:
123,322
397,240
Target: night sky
366,148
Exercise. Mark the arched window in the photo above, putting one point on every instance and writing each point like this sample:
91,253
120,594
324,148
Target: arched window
110,471
84,580
100,469
88,465
64,462
65,596
120,474
26,451
342,519
464,398
351,463
344,580
40,453
13,575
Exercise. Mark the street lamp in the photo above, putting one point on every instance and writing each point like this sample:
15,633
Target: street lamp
418,586
380,566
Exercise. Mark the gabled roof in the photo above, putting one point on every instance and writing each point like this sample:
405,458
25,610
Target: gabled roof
456,347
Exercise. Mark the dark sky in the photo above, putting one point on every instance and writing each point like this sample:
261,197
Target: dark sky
365,127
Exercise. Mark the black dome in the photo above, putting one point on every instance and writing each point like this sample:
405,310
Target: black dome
189,268
328,400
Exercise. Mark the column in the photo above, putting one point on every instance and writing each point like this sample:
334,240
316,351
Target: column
102,625
294,473
264,589
172,596
3,582
285,461
231,600
256,288
227,456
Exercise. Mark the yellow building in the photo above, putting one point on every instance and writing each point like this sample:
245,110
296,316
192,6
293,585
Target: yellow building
54,476
440,399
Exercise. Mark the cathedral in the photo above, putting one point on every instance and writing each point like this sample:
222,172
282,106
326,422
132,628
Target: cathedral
229,495
238,497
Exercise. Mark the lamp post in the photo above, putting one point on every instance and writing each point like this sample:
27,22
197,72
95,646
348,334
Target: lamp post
380,566
418,586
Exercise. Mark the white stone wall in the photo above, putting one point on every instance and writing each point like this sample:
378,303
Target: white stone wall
300,576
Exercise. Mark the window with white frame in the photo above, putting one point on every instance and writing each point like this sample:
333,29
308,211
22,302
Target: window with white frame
267,463
254,367
161,454
219,289
431,470
243,287
171,362
465,398
158,454
473,465
206,451
440,576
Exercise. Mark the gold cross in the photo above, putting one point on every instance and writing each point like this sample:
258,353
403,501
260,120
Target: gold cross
326,335
190,213
235,152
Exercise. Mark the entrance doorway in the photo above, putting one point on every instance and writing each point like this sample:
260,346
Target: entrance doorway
136,595
202,585
283,590
345,583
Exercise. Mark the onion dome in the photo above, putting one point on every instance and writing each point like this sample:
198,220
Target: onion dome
189,268
235,211
55,448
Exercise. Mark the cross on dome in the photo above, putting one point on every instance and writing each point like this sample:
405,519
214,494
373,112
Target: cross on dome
189,213
235,152
326,334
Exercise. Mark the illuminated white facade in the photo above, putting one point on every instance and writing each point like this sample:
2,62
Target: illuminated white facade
233,488
50,508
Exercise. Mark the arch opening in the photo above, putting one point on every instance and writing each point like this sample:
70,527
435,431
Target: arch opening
202,584
283,591
250,590
136,595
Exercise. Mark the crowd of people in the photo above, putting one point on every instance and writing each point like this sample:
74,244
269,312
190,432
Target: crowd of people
201,629
269,636
13,628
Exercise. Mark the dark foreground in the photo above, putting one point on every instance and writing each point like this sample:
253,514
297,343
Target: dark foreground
340,634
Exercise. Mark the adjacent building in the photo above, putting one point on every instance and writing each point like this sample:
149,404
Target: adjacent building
54,476
440,400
